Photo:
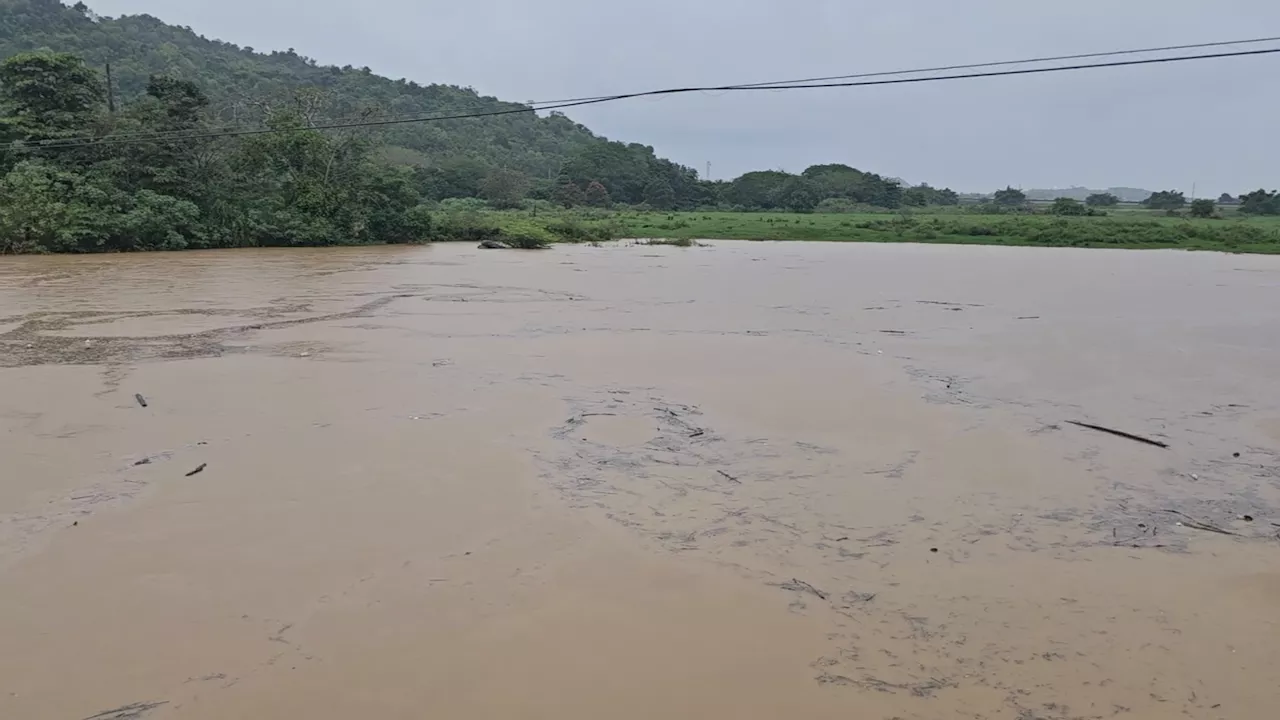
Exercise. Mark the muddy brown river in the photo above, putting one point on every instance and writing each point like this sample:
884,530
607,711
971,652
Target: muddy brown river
742,481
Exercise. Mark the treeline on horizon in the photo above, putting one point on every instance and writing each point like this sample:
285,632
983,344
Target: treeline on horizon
1172,202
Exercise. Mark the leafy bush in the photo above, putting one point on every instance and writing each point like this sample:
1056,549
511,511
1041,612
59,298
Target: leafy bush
1165,200
1260,202
1009,197
525,241
467,226
1203,208
1067,206
463,205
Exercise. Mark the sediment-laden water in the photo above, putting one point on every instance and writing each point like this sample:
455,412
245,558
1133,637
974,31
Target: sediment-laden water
747,480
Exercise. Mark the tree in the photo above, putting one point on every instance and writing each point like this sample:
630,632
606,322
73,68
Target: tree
308,187
797,194
915,197
946,196
1010,197
452,177
922,195
597,196
47,95
34,215
182,101
1203,208
1260,202
47,209
842,181
756,190
505,189
570,195
1226,199
632,173
188,168
1067,206
1166,200
659,195
1101,200
157,222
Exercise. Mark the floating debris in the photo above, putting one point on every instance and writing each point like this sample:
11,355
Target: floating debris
1120,433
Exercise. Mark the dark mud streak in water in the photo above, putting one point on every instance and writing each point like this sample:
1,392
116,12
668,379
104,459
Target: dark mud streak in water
690,510
128,712
32,344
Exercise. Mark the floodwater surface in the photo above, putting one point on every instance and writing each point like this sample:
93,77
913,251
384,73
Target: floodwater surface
745,480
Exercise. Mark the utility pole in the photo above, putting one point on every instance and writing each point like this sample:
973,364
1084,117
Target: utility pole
708,170
111,92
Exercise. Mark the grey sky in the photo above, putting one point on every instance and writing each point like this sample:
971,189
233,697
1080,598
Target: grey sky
1167,126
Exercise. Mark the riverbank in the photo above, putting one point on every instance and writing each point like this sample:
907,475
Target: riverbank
527,229
1126,231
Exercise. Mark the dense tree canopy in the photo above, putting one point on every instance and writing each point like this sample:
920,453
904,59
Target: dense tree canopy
48,96
1010,197
297,186
923,195
243,86
1203,208
1068,206
1166,200
1260,202
842,181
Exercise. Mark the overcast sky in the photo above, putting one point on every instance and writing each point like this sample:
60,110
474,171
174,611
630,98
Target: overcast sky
1211,123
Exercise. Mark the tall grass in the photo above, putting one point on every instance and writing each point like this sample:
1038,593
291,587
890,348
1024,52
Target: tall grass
1127,230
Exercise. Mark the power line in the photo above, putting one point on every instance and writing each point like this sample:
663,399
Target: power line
81,142
976,66
156,136
917,71
161,135
1001,73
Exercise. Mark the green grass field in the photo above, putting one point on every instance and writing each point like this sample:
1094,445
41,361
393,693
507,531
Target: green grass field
1133,229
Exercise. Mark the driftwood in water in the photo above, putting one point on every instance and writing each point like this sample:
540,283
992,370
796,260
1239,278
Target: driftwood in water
198,470
1196,524
1120,433
802,586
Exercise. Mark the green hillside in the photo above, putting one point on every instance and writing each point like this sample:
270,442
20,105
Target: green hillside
240,82
147,156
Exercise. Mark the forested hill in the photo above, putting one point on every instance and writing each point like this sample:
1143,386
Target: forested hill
145,156
240,81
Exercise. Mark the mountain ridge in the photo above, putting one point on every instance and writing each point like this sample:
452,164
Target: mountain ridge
241,80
